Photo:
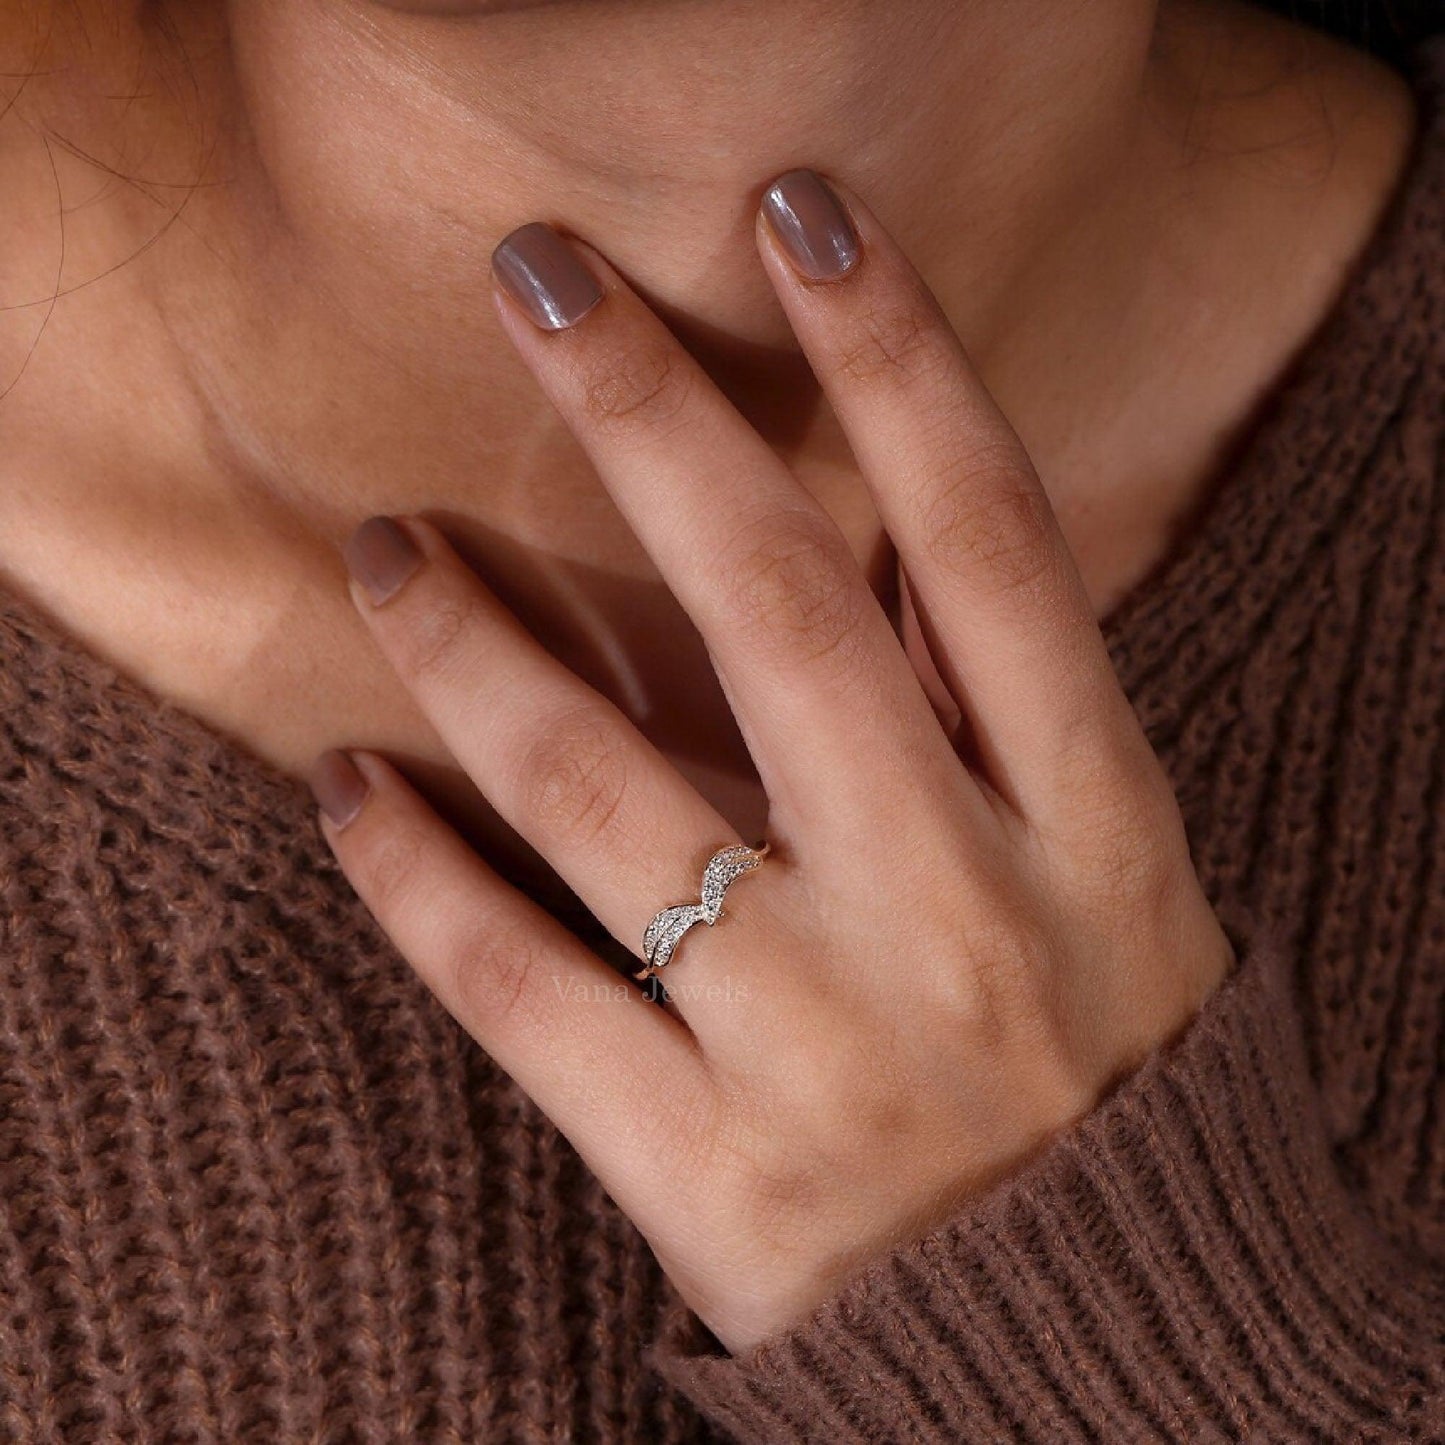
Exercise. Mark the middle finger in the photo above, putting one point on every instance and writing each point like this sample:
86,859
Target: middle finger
837,724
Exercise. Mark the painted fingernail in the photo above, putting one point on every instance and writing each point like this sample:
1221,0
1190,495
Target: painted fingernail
381,557
812,226
338,785
545,277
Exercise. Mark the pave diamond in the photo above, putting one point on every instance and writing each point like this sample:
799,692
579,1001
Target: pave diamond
722,868
665,932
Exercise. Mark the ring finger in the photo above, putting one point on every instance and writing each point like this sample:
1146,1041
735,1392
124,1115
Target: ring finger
557,760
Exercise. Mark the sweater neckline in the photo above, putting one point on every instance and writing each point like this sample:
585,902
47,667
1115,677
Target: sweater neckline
1201,608
1277,497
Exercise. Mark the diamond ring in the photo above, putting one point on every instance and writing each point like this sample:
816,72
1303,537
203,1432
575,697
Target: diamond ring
664,933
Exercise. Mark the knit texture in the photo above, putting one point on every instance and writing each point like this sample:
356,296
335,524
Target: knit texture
256,1185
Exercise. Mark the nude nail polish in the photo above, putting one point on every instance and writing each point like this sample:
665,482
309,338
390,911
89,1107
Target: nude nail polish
338,786
381,557
545,277
812,226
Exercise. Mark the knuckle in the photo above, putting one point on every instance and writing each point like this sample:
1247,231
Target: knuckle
1135,851
435,637
796,589
895,343
1003,990
574,777
392,868
494,976
992,519
645,386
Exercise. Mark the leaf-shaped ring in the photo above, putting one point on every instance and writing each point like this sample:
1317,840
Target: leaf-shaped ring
664,933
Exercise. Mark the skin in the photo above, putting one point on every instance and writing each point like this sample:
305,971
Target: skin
1035,891
311,341
291,205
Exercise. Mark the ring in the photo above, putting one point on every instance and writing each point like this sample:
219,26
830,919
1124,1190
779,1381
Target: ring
664,933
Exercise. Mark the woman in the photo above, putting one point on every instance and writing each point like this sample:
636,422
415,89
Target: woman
1065,1066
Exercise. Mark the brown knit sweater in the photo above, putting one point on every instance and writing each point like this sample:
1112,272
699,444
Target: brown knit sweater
256,1185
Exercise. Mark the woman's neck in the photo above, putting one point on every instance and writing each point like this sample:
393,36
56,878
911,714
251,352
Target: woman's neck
1132,224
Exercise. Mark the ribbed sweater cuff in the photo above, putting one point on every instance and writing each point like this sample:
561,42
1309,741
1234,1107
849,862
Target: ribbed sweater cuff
1183,1264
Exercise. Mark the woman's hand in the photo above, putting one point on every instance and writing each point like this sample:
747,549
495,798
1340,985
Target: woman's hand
964,933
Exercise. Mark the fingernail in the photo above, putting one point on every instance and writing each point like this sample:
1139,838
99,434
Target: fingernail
338,785
381,557
545,277
812,226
